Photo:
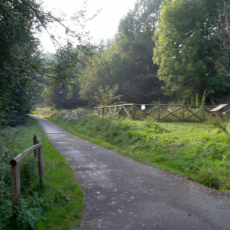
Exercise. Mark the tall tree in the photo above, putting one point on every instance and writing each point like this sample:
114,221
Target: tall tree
135,42
127,59
18,56
21,67
222,34
186,47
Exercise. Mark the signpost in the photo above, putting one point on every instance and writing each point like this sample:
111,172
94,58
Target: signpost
219,108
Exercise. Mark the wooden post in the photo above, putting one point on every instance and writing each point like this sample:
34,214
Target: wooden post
40,164
204,111
183,112
159,114
15,184
133,114
221,114
35,142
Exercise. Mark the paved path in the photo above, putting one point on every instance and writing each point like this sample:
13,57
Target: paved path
121,193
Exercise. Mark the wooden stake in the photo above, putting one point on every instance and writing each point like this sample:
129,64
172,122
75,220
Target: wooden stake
133,111
15,184
159,114
40,164
183,113
34,142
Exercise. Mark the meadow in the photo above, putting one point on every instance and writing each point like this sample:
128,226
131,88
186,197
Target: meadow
56,205
199,151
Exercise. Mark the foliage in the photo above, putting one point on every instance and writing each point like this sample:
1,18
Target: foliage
38,205
106,96
17,44
222,39
22,67
66,66
186,48
65,98
220,126
126,60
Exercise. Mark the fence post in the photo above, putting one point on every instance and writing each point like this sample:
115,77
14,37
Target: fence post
183,112
204,111
133,112
159,114
40,164
35,142
15,183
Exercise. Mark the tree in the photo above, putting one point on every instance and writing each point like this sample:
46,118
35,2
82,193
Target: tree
18,58
127,59
106,96
63,98
67,64
222,34
185,48
134,43
21,65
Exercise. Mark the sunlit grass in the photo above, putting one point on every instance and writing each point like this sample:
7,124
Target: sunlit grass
195,150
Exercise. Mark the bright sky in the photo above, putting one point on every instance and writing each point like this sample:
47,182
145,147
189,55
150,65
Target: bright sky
104,26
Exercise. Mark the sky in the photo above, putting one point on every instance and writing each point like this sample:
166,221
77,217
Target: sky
104,26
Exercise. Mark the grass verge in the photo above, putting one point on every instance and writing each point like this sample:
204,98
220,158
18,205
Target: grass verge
195,150
56,205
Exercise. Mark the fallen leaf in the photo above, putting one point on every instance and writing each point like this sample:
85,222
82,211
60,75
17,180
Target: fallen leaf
151,190
129,201
189,214
145,192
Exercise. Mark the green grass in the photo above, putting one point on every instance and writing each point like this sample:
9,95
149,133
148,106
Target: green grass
61,200
195,150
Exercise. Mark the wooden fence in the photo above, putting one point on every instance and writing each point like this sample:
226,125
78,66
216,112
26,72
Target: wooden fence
15,169
159,112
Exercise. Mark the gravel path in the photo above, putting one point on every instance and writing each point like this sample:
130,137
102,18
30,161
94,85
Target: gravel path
121,193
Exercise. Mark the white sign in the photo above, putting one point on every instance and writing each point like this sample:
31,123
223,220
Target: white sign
142,107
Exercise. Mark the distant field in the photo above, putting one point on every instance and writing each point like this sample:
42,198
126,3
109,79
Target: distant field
199,151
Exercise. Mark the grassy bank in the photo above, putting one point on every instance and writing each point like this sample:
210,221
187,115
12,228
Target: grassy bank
57,205
195,150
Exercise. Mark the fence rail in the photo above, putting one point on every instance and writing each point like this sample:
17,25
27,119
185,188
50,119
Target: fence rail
15,168
159,112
